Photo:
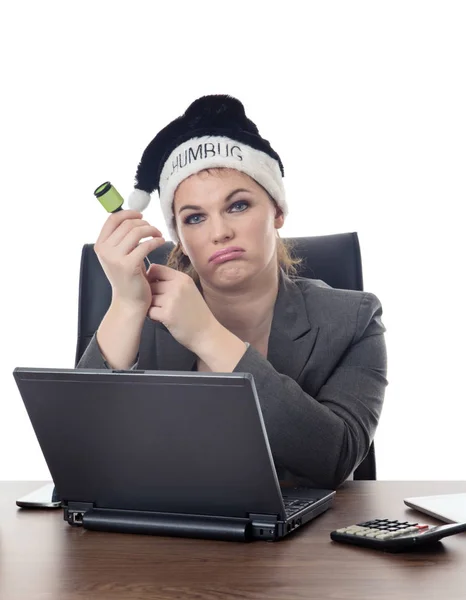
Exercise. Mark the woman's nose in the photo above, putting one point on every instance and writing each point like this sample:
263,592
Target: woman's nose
220,230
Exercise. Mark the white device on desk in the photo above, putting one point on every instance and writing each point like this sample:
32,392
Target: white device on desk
40,498
450,508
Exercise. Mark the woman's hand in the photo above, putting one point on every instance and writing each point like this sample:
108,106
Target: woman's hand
178,304
121,254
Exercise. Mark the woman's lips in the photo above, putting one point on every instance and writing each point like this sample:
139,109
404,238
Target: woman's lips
228,256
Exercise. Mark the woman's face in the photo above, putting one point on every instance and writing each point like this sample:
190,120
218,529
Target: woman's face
226,208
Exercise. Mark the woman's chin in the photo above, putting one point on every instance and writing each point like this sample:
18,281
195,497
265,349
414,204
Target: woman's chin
230,273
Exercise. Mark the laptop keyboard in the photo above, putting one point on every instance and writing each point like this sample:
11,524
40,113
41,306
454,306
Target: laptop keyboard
292,505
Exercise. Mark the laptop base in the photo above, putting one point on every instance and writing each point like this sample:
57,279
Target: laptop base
255,527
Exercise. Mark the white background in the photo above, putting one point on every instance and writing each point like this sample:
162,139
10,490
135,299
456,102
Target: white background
364,101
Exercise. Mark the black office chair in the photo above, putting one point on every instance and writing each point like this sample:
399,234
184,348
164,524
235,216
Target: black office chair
336,259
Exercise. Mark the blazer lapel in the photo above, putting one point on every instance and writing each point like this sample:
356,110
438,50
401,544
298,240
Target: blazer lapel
292,338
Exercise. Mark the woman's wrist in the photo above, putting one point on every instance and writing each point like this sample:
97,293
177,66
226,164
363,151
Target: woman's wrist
220,349
128,310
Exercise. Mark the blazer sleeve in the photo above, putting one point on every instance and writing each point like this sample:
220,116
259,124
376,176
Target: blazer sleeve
324,438
92,357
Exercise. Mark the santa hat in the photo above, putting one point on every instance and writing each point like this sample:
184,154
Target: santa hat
214,132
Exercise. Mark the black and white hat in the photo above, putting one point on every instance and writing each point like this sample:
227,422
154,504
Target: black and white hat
213,132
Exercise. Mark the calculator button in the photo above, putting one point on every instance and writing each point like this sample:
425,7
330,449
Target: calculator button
398,533
383,536
367,532
361,531
386,536
372,532
409,530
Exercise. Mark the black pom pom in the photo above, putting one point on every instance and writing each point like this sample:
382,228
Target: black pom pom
218,111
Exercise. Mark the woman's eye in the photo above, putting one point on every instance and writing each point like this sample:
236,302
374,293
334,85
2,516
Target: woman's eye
189,221
242,203
239,203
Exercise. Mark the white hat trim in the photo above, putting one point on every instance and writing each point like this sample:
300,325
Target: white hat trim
210,152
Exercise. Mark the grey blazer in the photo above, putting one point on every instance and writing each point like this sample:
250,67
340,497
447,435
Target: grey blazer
321,387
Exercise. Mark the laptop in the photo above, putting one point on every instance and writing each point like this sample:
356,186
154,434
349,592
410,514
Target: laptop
450,508
176,453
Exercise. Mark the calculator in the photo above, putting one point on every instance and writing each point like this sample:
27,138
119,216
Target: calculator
394,536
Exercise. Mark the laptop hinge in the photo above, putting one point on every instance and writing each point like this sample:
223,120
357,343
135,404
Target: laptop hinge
74,512
173,524
264,526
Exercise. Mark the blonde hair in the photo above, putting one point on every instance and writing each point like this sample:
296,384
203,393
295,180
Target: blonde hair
285,260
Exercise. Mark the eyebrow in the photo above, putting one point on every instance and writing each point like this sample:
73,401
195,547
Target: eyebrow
229,197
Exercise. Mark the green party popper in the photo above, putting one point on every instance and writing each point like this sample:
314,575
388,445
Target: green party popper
112,201
108,196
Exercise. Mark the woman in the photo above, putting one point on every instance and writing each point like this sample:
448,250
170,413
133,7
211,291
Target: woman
228,298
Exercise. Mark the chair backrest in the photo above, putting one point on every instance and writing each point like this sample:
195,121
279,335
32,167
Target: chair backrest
335,259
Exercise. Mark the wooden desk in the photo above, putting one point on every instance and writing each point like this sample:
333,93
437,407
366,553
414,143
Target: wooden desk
42,557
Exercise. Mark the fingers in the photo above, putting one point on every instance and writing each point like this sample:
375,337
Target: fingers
160,287
121,235
160,278
133,238
128,230
155,313
163,273
145,248
114,221
152,273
